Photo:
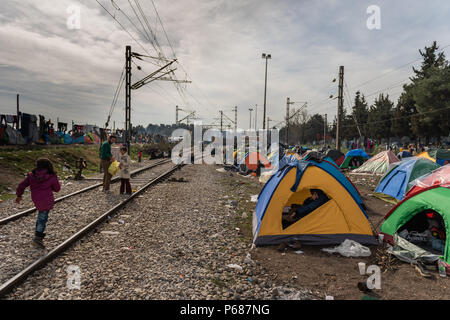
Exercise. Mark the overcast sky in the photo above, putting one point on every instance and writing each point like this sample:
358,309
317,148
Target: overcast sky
73,73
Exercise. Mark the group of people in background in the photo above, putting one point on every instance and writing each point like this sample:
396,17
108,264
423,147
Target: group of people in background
43,182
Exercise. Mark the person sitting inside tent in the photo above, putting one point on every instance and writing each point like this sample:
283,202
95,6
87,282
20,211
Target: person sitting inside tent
355,162
297,212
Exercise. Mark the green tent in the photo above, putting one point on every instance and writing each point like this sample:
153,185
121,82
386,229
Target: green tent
432,199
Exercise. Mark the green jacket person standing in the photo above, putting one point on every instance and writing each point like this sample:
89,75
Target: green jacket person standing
106,159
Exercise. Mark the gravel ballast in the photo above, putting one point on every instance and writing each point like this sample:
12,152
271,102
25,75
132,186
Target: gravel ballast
178,240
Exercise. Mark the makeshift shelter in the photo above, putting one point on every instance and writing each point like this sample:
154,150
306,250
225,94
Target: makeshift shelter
341,217
414,211
438,177
441,156
96,138
12,136
403,154
357,155
394,184
378,164
88,139
337,156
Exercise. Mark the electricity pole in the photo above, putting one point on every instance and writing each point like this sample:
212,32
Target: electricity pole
250,124
221,120
176,114
18,112
325,131
340,107
288,102
256,116
128,97
235,119
265,56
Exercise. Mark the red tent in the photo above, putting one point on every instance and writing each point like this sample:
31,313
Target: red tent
438,177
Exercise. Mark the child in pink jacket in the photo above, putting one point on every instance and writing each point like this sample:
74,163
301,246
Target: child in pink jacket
42,181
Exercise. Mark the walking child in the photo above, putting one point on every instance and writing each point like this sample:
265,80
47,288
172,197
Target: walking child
140,156
43,181
125,171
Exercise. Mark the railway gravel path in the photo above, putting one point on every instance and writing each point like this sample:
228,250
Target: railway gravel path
173,242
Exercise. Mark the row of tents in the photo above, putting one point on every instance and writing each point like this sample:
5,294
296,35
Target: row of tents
418,185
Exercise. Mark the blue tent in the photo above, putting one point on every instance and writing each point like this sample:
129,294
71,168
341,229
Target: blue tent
395,182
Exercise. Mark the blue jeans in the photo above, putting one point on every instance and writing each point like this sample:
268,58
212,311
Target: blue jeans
41,221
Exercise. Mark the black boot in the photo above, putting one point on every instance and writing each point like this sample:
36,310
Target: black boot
38,239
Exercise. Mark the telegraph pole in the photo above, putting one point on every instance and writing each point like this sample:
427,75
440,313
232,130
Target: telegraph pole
128,97
325,131
176,114
250,124
256,116
235,119
340,106
221,120
18,112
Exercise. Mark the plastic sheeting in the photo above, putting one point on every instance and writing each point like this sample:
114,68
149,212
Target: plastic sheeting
438,177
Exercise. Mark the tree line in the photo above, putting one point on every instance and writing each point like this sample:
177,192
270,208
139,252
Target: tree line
421,113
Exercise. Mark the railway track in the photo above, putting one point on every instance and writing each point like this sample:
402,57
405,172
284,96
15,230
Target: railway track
17,265
115,179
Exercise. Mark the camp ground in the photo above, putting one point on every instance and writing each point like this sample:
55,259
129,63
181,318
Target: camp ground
354,159
225,151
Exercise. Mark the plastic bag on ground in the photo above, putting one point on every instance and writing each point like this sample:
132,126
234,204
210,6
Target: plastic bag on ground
350,248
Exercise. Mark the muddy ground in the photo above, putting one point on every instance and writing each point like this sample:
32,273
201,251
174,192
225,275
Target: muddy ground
334,275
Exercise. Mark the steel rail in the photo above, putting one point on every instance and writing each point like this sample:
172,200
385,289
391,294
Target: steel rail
31,210
21,276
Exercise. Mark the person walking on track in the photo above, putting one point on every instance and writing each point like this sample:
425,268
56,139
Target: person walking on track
42,181
106,159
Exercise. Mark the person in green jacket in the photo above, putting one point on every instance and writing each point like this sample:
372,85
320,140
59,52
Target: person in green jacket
106,158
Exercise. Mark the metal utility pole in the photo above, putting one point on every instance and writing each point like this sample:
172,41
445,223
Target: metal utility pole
265,56
250,124
340,106
221,120
288,102
235,119
256,116
176,114
325,131
18,112
128,97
